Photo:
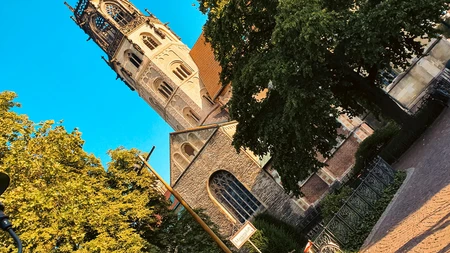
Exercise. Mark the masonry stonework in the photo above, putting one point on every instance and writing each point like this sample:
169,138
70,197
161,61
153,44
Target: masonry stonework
193,184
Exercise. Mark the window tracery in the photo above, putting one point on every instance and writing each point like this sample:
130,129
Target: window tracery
164,88
105,30
181,71
233,195
119,15
150,41
135,60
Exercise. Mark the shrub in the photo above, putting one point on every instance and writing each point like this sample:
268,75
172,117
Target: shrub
371,218
333,202
274,235
371,146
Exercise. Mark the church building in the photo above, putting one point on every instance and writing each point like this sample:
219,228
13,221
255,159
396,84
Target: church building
182,86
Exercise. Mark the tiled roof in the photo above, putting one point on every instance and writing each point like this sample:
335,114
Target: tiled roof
209,68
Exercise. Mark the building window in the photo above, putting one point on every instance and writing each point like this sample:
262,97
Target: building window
164,88
181,71
150,41
192,117
188,150
135,60
233,195
118,14
105,30
208,99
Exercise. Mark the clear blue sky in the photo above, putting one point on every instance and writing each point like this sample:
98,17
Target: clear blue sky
58,75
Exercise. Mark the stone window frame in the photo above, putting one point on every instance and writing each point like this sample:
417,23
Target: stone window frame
118,13
234,197
103,29
163,88
150,41
206,97
134,59
191,116
181,70
185,153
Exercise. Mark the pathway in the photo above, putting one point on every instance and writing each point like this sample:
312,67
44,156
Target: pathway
418,220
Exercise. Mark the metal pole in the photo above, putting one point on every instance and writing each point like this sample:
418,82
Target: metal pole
188,208
254,246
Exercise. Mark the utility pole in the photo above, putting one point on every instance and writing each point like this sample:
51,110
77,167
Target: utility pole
188,208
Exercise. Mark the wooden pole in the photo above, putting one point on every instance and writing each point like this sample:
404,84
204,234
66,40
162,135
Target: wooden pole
254,246
188,208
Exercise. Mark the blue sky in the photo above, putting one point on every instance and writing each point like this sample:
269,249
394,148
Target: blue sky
58,75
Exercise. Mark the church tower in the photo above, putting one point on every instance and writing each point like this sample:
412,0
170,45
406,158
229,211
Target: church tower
150,59
183,87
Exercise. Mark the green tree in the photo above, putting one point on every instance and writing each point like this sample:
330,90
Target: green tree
61,199
185,235
58,199
311,57
274,235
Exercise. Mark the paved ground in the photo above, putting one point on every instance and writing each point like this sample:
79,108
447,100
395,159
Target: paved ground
419,218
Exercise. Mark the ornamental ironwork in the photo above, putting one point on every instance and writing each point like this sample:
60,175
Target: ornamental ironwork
342,227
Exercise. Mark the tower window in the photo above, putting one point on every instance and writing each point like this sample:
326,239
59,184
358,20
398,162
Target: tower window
194,116
135,60
181,71
105,30
207,98
119,15
150,41
164,89
230,193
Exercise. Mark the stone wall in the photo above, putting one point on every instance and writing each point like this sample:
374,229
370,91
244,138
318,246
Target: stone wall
219,154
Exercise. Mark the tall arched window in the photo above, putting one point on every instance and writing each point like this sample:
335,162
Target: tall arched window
150,41
134,59
191,116
105,30
181,71
233,195
119,15
163,88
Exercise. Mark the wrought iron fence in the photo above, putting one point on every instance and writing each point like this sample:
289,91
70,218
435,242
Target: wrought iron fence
345,223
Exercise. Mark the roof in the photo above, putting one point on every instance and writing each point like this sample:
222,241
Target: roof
209,69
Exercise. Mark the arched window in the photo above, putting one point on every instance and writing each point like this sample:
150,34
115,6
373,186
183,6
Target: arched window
233,195
188,150
134,59
105,30
150,41
181,160
163,88
208,99
181,71
191,116
119,15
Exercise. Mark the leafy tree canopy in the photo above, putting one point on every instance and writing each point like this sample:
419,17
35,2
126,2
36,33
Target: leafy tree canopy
311,57
61,199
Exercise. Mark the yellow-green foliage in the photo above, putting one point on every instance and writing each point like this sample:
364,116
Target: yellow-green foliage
61,199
